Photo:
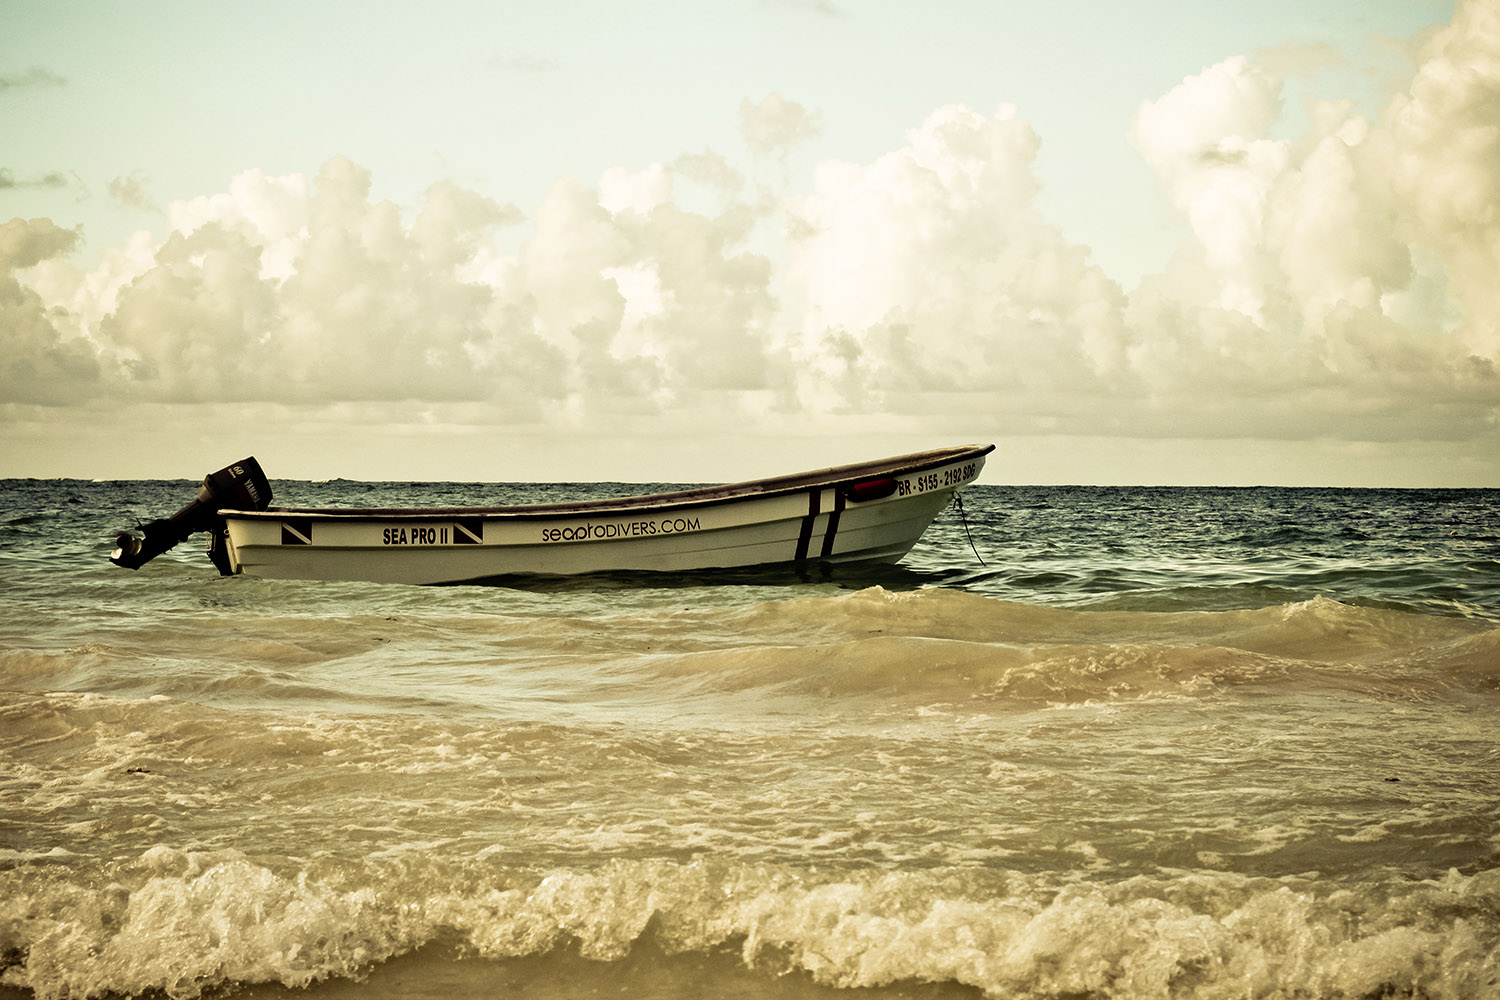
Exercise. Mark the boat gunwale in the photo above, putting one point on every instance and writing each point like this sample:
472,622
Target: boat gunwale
694,497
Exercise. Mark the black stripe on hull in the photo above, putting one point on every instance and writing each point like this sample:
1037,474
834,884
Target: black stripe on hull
804,538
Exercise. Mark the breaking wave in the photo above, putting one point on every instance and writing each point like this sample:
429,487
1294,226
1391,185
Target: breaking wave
184,923
950,644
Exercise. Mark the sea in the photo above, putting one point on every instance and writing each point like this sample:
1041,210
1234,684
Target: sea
1081,743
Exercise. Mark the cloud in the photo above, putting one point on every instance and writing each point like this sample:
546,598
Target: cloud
40,362
302,290
1299,60
52,179
622,190
26,243
1341,280
36,76
650,304
930,270
131,192
1445,144
710,170
1337,282
295,290
774,124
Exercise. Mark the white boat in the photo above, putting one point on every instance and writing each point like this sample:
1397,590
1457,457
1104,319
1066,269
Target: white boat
866,512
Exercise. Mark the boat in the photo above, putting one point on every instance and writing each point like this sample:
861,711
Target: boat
868,512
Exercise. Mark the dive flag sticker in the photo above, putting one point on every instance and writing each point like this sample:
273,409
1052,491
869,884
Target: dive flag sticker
469,531
297,531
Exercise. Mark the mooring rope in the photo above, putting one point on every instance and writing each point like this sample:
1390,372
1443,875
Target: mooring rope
959,500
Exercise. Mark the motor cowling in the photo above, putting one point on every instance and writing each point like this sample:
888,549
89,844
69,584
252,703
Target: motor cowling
241,486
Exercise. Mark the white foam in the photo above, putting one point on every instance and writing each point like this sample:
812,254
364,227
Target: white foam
233,921
182,922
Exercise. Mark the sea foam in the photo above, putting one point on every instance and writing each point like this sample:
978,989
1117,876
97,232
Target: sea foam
182,923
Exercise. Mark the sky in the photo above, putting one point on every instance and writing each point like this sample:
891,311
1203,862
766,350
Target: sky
1157,243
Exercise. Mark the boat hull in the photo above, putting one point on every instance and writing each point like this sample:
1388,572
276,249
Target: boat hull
873,512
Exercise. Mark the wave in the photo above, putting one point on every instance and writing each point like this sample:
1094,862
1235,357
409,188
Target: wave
182,923
911,647
944,643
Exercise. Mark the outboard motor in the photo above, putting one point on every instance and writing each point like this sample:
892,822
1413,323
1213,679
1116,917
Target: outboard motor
241,486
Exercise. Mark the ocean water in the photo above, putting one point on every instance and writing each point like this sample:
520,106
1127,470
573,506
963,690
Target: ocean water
1082,743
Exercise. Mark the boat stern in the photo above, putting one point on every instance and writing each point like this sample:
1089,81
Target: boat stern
241,486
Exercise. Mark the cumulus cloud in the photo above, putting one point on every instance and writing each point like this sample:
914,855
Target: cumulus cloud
930,270
1445,143
774,124
712,171
1334,278
131,192
1335,282
293,289
40,361
27,242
